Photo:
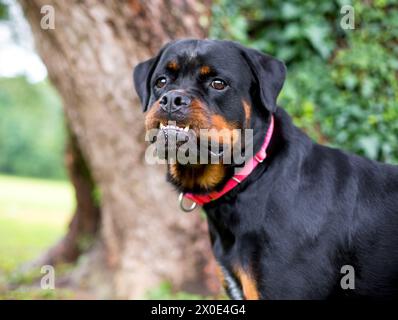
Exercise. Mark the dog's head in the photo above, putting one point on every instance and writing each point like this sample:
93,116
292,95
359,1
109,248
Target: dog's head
221,86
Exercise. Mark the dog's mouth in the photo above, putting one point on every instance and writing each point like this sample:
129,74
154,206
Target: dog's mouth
174,139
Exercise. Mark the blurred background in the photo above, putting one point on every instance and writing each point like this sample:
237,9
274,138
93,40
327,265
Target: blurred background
75,192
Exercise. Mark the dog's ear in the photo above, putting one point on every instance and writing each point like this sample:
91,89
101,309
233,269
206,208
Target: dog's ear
142,77
270,74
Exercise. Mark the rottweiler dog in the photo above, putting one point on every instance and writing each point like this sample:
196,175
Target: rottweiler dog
308,222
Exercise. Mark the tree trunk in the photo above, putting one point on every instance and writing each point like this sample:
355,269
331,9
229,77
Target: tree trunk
144,238
84,225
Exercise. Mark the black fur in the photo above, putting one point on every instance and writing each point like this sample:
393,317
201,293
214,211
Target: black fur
308,209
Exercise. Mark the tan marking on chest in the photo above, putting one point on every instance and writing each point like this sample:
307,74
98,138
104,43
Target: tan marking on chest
248,284
212,175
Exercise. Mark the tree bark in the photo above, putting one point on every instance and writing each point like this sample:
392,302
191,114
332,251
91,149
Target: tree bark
83,227
144,238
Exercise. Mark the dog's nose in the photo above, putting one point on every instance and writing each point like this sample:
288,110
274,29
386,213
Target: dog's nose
173,101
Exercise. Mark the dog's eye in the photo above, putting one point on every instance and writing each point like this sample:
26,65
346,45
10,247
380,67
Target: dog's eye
160,82
218,84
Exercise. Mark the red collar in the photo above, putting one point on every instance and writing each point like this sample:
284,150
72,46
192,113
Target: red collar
250,165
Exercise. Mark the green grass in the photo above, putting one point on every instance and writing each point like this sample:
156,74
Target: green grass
34,214
165,292
24,293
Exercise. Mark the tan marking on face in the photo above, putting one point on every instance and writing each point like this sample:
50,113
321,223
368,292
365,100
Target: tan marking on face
225,132
219,122
248,284
173,65
151,118
205,70
198,116
248,110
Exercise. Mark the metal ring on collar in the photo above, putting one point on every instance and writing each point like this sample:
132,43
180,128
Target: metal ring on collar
181,202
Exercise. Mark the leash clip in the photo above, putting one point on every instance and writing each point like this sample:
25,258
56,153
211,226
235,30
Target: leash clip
181,202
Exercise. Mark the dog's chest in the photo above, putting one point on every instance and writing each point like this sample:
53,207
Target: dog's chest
233,251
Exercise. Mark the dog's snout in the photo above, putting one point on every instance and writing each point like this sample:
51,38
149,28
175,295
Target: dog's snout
173,101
